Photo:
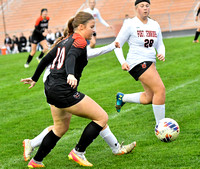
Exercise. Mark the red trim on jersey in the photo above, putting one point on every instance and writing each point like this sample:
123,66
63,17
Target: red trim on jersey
79,41
39,20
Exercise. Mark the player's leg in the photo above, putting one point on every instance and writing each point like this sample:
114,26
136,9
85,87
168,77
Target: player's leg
152,83
139,97
87,108
44,45
113,143
196,35
61,124
30,145
30,57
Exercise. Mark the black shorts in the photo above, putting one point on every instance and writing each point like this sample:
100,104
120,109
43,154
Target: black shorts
62,98
37,38
139,69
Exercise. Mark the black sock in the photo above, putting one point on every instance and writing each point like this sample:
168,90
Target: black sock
29,59
89,134
196,35
41,55
47,145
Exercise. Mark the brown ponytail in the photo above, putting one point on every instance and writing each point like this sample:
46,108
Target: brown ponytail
73,23
70,28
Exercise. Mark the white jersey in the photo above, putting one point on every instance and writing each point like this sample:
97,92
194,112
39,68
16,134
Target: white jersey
91,52
96,14
142,38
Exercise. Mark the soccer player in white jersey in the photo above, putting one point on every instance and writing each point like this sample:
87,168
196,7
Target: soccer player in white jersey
106,134
143,36
96,14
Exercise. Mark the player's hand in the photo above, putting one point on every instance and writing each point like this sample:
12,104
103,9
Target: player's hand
28,81
161,57
110,26
196,18
117,45
72,81
45,32
125,66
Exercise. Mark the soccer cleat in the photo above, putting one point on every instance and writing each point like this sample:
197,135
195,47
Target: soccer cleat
195,41
79,158
26,65
33,164
119,102
27,149
125,149
38,59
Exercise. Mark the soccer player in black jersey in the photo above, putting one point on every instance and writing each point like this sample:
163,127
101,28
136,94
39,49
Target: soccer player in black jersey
197,11
39,36
117,149
68,59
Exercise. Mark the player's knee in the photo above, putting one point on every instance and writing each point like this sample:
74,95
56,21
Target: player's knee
33,52
147,98
162,91
45,49
104,119
60,130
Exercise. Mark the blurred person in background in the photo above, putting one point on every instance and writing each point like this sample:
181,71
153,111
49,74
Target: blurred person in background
22,43
50,37
96,14
197,11
39,36
15,43
29,42
8,43
57,33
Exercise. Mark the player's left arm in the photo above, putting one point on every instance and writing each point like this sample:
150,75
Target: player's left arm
102,20
160,47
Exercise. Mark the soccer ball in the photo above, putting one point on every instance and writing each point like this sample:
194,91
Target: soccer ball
167,130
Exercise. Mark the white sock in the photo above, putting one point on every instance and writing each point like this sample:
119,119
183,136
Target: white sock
38,139
159,112
132,98
110,139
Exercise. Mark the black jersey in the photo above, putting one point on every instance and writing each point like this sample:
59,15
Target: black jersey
67,57
40,25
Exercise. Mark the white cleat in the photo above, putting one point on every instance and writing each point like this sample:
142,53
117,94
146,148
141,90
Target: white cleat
26,65
125,149
38,59
27,149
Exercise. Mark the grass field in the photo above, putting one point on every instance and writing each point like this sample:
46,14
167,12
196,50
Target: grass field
24,113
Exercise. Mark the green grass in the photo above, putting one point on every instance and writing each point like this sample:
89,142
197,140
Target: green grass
24,113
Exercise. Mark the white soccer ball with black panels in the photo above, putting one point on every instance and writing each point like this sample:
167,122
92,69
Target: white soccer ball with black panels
167,130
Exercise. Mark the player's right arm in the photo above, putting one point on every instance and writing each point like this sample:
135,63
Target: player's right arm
40,68
77,49
93,52
122,37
